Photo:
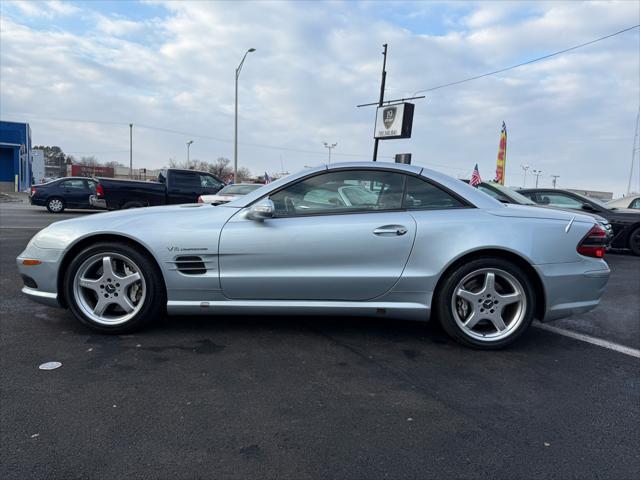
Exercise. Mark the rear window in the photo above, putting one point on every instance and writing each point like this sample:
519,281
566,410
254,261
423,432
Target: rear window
239,189
185,180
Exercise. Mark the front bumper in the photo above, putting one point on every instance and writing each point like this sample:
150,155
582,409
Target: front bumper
41,283
45,298
572,288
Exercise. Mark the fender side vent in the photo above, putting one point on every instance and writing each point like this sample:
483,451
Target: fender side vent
190,265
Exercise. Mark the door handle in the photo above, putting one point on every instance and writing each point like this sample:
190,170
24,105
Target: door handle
389,230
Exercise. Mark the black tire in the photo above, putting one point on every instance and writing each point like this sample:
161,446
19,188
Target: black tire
444,303
634,241
152,307
132,205
56,205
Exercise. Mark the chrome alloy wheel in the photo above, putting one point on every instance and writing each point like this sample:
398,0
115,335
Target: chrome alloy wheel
55,205
489,304
109,288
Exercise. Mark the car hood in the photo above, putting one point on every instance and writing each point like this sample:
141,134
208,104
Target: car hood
526,211
133,223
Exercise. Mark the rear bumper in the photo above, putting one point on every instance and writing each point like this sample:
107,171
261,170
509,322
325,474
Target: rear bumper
572,288
97,202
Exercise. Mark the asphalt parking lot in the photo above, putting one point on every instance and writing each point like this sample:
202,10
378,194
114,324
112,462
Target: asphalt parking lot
311,397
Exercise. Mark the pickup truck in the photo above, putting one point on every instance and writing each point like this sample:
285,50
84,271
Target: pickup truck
173,186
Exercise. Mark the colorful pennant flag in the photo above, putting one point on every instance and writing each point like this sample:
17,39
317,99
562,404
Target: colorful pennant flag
502,156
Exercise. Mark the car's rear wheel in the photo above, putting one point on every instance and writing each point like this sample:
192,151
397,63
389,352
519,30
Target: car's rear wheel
634,241
114,288
55,205
486,303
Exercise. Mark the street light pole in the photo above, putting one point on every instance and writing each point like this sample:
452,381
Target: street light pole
330,147
554,177
537,173
131,150
235,131
381,101
525,168
188,147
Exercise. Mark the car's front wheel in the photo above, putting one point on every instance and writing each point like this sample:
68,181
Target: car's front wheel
55,205
486,303
114,288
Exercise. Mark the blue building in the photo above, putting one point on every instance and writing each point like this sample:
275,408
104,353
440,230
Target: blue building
15,156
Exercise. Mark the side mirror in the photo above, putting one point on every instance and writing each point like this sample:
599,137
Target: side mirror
588,207
261,210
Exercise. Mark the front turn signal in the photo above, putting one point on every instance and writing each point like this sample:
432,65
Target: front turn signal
30,262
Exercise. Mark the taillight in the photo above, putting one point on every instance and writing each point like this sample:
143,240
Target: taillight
594,242
99,191
200,199
33,190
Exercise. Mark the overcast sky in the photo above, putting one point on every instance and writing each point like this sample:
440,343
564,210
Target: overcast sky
171,66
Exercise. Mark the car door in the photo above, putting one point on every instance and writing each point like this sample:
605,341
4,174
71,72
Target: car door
183,187
324,242
75,192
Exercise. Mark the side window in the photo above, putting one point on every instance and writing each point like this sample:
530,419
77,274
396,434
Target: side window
635,203
92,186
73,184
558,200
338,192
424,195
185,180
208,181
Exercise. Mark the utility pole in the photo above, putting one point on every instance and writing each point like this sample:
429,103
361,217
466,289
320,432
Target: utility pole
330,147
188,147
636,147
381,101
525,168
235,130
554,178
131,150
537,173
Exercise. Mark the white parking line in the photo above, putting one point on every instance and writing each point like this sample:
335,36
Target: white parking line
589,339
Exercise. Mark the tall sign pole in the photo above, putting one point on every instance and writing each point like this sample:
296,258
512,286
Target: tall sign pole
381,101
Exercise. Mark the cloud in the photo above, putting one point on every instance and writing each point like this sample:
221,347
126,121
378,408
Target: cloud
570,115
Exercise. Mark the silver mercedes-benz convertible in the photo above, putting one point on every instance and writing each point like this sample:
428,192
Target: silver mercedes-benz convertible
367,239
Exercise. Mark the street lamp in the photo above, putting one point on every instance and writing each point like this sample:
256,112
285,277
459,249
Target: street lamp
330,147
537,173
525,168
235,134
188,147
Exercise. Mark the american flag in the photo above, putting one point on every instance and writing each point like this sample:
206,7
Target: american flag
475,177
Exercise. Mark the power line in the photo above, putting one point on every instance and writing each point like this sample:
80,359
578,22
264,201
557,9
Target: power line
458,82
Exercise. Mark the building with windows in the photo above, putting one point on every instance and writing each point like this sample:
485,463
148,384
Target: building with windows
15,157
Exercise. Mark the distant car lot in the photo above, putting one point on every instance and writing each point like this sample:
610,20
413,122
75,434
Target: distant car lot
311,397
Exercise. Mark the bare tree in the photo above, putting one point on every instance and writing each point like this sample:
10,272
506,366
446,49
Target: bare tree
90,161
243,174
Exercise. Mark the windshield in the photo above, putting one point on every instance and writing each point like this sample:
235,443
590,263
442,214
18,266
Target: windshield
512,194
239,189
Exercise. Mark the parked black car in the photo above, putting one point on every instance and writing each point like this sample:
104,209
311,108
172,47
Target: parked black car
173,186
68,192
508,195
625,223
